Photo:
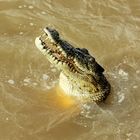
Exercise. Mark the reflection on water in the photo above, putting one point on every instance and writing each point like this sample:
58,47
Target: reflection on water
32,107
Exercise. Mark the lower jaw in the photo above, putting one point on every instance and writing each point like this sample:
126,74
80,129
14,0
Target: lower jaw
68,88
65,84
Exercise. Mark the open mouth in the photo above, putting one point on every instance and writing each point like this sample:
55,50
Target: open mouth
78,68
52,49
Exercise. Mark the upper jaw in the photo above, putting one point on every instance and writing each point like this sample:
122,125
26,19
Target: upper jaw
62,51
47,33
52,34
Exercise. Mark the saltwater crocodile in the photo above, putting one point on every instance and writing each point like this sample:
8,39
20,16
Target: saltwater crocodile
81,76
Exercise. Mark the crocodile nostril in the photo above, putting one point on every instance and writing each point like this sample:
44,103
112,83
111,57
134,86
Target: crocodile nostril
44,47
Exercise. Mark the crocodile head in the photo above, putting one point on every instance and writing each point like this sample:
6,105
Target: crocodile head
80,74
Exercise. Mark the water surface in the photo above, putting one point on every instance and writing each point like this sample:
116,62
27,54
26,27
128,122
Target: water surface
31,106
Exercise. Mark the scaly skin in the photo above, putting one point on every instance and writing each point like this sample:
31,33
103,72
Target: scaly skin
81,76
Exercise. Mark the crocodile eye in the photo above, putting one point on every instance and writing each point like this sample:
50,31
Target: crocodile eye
85,50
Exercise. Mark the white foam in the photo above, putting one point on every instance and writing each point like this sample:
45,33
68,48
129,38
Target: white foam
10,81
45,77
123,73
121,98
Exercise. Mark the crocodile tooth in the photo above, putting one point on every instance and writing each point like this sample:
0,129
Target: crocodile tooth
75,61
74,70
68,63
70,57
60,49
71,68
55,61
53,57
44,34
48,50
50,53
58,61
64,63
63,53
61,63
71,65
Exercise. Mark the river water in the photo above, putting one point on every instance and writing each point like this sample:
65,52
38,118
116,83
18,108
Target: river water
32,107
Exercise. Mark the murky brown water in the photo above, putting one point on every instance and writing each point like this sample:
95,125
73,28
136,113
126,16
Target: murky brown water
30,105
